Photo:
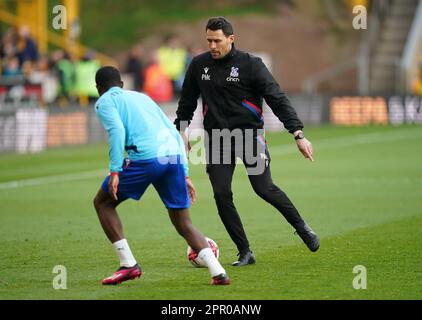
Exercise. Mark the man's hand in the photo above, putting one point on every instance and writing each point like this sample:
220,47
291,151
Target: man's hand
305,146
113,184
191,190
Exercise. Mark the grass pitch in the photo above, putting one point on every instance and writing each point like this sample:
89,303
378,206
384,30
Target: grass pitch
362,195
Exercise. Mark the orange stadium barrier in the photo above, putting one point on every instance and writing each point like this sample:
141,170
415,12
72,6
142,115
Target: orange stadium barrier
357,111
67,129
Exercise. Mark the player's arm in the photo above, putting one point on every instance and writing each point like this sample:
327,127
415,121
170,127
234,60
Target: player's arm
191,190
110,119
188,103
267,86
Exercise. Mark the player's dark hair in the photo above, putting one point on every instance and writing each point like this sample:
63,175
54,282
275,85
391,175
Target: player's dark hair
218,23
107,77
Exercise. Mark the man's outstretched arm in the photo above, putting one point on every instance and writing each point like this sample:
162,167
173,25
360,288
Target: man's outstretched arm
268,87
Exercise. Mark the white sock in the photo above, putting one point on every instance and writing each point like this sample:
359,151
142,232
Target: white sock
125,254
211,262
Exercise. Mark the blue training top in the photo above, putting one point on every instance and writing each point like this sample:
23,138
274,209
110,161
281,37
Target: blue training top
135,123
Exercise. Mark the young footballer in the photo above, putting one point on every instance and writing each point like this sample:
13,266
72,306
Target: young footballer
155,155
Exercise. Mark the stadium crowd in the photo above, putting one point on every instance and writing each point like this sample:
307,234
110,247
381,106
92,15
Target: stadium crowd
65,79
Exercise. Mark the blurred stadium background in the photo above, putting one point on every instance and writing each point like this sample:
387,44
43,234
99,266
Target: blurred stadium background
359,93
332,72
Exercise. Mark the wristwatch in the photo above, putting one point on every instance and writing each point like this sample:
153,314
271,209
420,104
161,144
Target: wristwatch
300,135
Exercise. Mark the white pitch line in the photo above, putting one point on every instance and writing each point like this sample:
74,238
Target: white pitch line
52,179
329,143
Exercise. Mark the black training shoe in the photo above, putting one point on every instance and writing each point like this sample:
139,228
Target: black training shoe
309,237
220,280
244,259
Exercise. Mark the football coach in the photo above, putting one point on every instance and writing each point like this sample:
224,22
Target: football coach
233,85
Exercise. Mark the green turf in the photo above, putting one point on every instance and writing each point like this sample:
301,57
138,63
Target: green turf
363,195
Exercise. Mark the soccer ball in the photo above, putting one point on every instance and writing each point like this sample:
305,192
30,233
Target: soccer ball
193,256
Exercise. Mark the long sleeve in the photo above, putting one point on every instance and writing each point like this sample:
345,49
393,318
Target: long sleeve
189,97
110,119
267,86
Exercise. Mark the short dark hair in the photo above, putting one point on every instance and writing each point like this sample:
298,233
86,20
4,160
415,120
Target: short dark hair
107,77
218,23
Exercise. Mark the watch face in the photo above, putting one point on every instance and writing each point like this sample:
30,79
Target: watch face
300,136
